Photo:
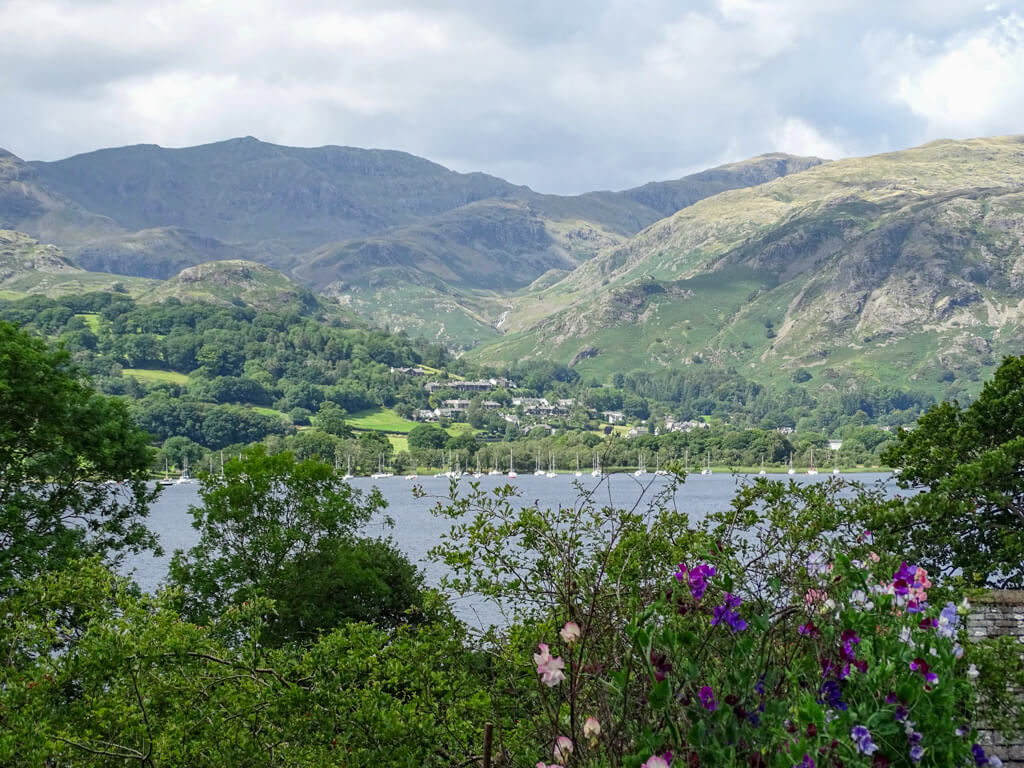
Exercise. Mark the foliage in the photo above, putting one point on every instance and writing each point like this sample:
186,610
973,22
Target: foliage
781,634
970,464
72,464
267,515
138,684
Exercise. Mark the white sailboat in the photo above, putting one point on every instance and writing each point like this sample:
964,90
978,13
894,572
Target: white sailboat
790,471
511,467
478,473
551,465
185,477
811,469
495,471
381,472
658,470
577,473
537,471
597,466
348,471
166,481
707,465
762,472
641,470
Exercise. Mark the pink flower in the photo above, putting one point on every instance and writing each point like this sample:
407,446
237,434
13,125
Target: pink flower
591,730
815,596
563,748
874,558
549,667
570,632
655,761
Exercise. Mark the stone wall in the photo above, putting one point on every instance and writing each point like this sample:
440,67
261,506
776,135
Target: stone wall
1000,613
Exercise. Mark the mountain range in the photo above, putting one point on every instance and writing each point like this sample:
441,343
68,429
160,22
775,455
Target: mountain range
902,268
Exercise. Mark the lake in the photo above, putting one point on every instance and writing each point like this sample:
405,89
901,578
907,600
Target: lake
416,530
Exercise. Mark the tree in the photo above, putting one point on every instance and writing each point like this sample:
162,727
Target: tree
427,436
331,419
60,444
259,523
969,463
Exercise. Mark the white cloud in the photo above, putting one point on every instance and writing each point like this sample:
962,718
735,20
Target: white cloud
973,84
577,95
798,137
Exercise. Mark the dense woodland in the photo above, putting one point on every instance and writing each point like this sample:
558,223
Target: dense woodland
217,377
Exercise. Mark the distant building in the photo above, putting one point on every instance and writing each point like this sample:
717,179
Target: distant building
511,418
685,426
424,414
417,371
835,445
481,385
490,405
785,430
456,405
613,417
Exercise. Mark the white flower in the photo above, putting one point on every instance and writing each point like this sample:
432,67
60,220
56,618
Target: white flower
563,748
591,730
570,632
972,672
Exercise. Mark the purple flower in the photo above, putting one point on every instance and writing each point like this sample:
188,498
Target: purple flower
920,665
707,698
862,738
830,695
946,625
698,579
662,666
807,762
759,685
901,713
728,615
916,753
979,755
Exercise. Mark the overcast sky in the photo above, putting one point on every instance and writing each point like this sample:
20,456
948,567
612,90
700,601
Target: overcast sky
562,95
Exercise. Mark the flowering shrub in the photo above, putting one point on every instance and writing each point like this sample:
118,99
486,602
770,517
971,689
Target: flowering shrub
780,639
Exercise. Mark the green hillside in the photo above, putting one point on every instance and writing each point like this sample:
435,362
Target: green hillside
900,268
237,283
28,267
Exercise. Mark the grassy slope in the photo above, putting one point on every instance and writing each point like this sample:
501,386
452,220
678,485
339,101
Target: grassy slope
872,248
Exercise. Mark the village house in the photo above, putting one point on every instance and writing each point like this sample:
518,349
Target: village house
613,417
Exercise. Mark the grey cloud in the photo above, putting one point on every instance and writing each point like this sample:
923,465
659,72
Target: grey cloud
564,97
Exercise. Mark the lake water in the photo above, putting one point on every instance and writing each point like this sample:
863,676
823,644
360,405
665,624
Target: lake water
416,530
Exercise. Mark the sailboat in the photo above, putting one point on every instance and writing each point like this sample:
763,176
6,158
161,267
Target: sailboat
537,471
511,467
811,469
381,472
577,473
478,473
790,471
762,472
658,470
597,466
551,465
686,461
166,481
641,470
707,465
495,471
185,477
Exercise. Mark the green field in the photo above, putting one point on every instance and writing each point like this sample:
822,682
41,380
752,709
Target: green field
269,412
380,420
151,375
399,443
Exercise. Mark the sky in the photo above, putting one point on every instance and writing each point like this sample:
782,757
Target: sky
562,95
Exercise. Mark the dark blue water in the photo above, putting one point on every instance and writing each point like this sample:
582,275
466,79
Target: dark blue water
416,530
